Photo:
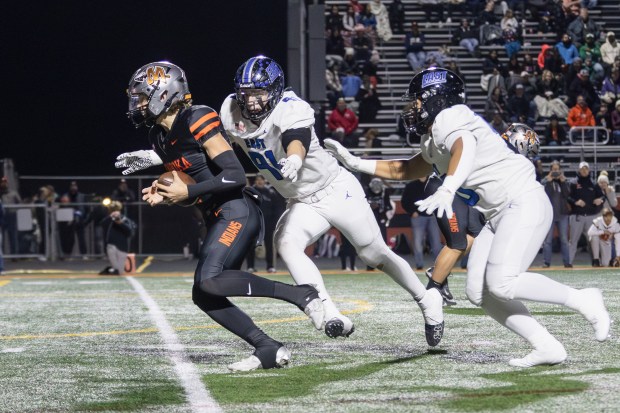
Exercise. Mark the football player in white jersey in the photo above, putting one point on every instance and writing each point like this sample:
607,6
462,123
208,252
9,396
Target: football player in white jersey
275,128
475,159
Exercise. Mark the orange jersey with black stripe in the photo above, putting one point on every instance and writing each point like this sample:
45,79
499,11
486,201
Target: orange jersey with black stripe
181,148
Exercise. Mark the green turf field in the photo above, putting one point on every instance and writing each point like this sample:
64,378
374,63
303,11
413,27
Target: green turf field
86,344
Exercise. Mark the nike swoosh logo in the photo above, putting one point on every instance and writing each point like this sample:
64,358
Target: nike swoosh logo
216,213
249,289
226,181
173,142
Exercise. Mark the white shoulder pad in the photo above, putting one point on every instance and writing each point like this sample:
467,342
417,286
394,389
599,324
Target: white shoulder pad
449,122
226,112
292,112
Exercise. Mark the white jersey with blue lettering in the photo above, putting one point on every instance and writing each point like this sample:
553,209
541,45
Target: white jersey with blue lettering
498,174
263,144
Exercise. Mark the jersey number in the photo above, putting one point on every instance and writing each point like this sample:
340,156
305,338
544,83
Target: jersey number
269,164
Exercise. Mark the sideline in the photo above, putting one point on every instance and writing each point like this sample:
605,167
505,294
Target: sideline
198,396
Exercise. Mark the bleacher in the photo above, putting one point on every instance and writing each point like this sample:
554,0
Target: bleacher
395,74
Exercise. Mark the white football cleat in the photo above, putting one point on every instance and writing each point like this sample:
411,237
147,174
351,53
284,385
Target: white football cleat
548,353
432,310
593,309
283,356
316,312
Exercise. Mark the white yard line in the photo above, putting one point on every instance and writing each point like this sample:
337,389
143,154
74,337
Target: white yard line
197,394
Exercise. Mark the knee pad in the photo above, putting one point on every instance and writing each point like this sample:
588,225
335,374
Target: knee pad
501,281
209,286
375,254
199,298
207,302
474,295
287,242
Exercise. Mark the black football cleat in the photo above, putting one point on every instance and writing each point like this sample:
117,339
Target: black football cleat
444,290
434,333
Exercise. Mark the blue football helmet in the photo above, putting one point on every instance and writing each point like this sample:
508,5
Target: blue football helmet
259,73
437,89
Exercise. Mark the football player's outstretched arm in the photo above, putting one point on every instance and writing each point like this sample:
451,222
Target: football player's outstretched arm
231,175
398,169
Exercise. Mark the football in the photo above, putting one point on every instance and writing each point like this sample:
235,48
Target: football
167,178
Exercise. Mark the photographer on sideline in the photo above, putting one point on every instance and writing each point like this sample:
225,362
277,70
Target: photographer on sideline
556,187
117,232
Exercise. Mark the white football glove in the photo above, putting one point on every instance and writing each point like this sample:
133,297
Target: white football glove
136,161
346,158
441,201
289,167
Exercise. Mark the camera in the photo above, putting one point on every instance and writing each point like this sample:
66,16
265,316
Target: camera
555,174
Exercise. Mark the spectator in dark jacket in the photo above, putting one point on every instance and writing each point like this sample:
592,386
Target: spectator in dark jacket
519,106
396,11
414,47
582,86
334,19
556,187
334,44
586,200
369,101
581,26
362,45
467,36
555,134
117,230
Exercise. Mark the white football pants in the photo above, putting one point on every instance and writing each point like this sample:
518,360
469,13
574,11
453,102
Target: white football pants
342,205
496,271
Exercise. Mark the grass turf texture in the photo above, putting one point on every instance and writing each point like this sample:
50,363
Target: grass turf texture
89,345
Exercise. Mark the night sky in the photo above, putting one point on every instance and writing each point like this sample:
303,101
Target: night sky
69,64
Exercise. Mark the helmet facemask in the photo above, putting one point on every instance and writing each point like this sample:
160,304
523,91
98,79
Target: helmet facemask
415,119
138,112
255,104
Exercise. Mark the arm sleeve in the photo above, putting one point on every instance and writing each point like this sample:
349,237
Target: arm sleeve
301,134
231,177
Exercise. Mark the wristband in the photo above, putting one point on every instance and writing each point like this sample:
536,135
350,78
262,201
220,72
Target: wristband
367,166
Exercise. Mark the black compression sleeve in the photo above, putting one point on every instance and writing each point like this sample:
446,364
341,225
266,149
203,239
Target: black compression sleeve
231,177
302,134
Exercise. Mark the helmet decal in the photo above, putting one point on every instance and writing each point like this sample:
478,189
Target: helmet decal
247,73
156,74
434,78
